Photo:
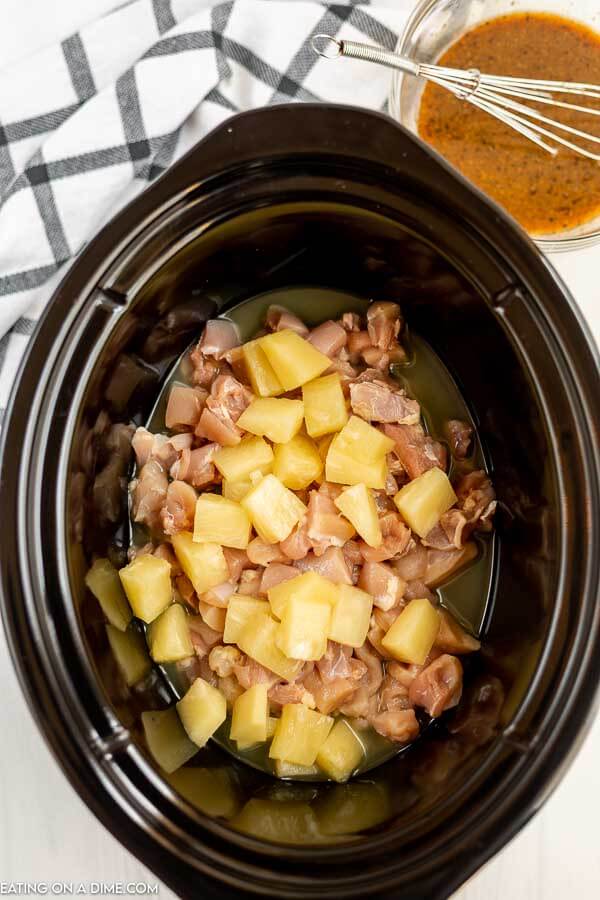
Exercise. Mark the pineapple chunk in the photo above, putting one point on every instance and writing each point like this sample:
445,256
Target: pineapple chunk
351,616
300,734
263,379
358,505
104,583
201,711
304,628
239,610
221,521
309,585
342,469
257,639
204,564
412,635
354,807
341,753
167,741
285,769
250,716
278,420
293,359
130,652
273,509
324,445
282,821
236,463
297,463
169,636
212,791
147,583
363,442
324,405
271,726
237,490
424,500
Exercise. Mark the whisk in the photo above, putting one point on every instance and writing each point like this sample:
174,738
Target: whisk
491,93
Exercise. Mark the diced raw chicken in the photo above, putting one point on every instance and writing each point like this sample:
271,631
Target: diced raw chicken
165,551
280,319
227,401
396,538
218,337
325,526
261,554
196,466
376,401
344,369
350,321
203,636
439,686
169,451
392,694
329,338
358,341
149,494
459,436
283,693
204,371
186,591
335,662
380,580
374,674
230,688
184,407
415,589
398,725
237,561
217,429
383,324
417,451
331,564
404,673
178,513
412,565
249,583
297,545
236,360
249,672
158,447
443,563
477,499
377,358
452,637
329,694
219,595
223,659
275,573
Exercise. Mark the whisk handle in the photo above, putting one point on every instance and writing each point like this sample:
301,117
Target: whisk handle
331,48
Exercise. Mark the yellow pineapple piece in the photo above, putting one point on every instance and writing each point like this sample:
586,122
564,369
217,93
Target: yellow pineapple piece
167,741
130,652
277,420
204,564
304,587
271,726
280,820
342,752
304,628
424,500
250,717
202,710
297,463
169,636
352,808
300,734
342,469
273,509
239,610
147,583
363,442
212,791
324,445
263,379
257,639
351,616
358,505
104,583
324,405
221,521
412,635
237,490
293,359
251,454
285,769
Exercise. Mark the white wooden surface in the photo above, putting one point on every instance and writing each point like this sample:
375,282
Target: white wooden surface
46,832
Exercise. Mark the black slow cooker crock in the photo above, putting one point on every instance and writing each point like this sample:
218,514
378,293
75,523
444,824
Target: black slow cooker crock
340,198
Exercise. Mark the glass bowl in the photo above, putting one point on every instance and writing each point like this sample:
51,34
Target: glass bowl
437,24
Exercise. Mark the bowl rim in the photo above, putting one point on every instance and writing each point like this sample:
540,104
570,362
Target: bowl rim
550,245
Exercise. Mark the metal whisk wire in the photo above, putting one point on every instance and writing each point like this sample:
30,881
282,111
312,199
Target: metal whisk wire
498,95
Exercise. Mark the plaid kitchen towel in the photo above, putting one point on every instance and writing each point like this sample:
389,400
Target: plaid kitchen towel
87,123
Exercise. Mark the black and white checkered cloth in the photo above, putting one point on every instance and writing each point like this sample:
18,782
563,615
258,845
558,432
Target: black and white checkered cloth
86,124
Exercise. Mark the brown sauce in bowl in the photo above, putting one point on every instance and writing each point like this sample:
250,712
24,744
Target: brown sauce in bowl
545,194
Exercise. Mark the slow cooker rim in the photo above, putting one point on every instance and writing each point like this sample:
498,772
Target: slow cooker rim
63,288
